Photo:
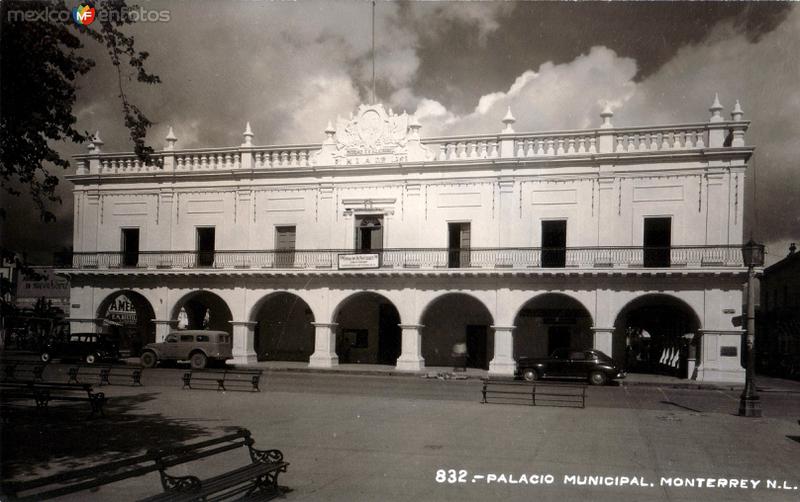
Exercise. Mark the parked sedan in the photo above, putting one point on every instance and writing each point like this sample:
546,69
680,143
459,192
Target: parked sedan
88,347
591,365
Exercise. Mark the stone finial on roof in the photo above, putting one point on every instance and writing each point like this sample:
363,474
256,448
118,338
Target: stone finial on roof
509,120
171,139
97,143
329,132
414,126
606,115
737,112
248,135
715,109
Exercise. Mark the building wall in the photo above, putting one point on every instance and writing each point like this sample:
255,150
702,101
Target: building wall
600,208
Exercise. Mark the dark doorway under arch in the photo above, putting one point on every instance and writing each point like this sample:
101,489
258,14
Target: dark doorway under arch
457,319
128,318
368,330
655,334
203,310
284,331
551,321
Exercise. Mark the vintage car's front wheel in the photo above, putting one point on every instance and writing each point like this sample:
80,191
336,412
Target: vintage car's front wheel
45,357
148,359
530,375
597,378
90,358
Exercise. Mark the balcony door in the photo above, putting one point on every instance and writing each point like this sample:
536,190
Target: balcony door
130,247
369,233
554,243
657,241
205,246
458,242
284,246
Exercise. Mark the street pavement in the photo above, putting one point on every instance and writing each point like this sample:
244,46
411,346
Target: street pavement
353,437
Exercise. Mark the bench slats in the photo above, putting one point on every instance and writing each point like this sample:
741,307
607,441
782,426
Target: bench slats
259,475
533,393
229,377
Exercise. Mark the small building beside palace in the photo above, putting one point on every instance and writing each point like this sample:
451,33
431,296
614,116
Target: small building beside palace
383,246
778,333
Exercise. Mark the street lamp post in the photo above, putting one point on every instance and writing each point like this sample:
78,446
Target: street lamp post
749,404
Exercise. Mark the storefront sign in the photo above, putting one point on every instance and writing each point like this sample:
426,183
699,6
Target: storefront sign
122,310
354,261
49,285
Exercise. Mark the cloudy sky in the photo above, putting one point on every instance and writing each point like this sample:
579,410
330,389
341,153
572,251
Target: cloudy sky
290,67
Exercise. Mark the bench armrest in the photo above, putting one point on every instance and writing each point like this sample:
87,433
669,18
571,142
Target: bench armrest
265,456
179,484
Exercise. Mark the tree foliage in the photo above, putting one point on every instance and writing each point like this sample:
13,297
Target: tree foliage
40,63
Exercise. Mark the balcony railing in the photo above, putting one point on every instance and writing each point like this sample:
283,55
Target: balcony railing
425,259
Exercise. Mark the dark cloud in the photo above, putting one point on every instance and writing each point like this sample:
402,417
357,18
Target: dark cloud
535,32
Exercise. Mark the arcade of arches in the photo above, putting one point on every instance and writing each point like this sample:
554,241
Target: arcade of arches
653,333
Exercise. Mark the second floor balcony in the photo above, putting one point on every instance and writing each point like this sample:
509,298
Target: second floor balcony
598,259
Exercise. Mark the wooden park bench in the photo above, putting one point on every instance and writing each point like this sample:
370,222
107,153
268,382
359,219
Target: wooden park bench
75,480
533,393
236,379
102,373
44,392
255,480
17,369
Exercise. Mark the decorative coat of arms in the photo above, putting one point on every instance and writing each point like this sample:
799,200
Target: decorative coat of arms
372,131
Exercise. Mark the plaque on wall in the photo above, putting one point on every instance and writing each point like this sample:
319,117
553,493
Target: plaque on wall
359,260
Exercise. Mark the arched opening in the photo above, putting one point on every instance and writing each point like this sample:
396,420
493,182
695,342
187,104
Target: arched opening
452,323
549,322
655,334
128,318
283,331
202,310
368,330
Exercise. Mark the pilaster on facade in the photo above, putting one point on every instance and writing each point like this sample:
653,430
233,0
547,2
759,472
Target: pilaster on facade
720,356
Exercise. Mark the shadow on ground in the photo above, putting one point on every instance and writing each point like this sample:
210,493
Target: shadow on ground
62,438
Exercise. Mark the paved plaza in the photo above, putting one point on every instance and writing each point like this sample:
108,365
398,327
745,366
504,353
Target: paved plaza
374,437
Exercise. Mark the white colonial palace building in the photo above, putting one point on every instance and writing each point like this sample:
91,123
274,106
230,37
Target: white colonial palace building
381,246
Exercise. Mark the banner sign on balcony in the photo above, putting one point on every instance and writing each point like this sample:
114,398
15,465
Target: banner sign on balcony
351,261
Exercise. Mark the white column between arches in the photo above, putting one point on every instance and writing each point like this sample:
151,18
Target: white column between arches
503,362
603,340
244,342
411,356
324,355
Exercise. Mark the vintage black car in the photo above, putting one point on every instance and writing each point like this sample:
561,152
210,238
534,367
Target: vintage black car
87,347
591,365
